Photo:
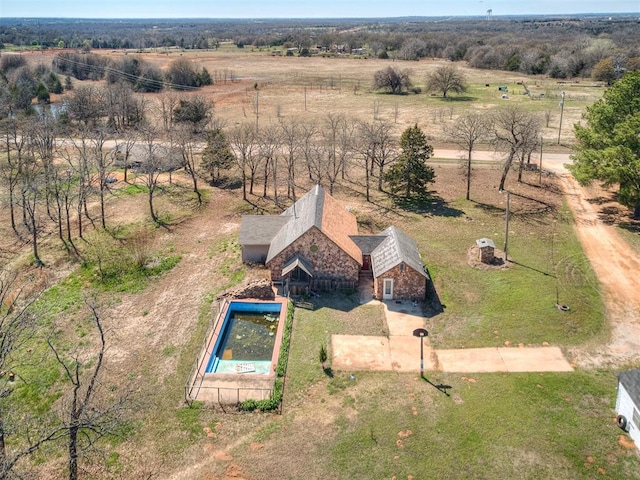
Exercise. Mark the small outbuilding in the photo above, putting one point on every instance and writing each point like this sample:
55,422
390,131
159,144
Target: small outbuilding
486,247
628,403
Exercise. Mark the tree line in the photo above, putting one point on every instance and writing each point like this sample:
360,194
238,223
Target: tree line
561,46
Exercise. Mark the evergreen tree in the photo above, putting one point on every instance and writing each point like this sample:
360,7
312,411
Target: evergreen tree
608,147
217,155
411,174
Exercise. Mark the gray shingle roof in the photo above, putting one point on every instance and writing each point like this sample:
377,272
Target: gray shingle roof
306,213
395,249
260,229
316,209
630,380
367,243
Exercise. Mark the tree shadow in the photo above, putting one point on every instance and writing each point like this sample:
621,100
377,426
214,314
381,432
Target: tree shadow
547,274
328,371
459,98
488,208
427,205
633,226
227,183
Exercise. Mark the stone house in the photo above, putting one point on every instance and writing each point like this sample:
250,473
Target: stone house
628,403
314,245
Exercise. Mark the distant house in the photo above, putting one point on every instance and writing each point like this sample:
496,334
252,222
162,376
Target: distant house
142,157
314,245
628,403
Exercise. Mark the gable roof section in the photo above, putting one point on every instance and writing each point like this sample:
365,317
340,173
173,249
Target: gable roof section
393,250
300,262
367,243
260,229
317,209
630,380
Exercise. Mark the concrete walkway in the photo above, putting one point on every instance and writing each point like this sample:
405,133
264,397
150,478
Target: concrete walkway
400,352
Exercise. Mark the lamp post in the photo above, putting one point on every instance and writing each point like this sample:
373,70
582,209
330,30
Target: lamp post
421,333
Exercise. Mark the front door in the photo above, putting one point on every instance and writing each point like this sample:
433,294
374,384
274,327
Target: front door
387,289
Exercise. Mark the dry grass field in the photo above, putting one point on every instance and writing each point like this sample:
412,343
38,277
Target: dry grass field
311,87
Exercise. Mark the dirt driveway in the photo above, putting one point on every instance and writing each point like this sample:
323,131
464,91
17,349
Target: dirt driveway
614,262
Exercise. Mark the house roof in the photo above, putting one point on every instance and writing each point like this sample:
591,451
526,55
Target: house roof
396,248
367,243
260,229
630,380
316,209
300,262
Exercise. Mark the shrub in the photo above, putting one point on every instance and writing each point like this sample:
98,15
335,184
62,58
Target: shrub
274,401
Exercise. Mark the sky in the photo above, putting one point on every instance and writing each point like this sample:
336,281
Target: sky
303,8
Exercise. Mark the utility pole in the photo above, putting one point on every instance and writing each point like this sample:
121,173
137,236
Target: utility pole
506,229
540,167
561,112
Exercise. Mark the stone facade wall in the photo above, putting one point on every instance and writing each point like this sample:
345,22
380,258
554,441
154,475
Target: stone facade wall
487,254
407,284
327,259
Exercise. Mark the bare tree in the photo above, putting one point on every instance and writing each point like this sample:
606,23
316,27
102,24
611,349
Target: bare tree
14,145
76,151
291,143
152,167
31,193
17,327
446,79
63,197
467,131
269,152
90,412
168,103
514,131
377,146
244,141
312,157
188,147
40,133
86,105
336,146
124,147
392,80
100,167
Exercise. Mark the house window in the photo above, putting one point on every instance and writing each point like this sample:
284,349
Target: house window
636,418
402,267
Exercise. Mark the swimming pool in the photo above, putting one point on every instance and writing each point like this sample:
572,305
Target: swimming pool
246,339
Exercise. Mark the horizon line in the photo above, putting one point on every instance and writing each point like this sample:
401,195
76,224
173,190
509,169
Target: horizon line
494,16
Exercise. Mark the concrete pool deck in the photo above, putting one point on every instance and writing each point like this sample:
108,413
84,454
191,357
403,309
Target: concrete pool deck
400,352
